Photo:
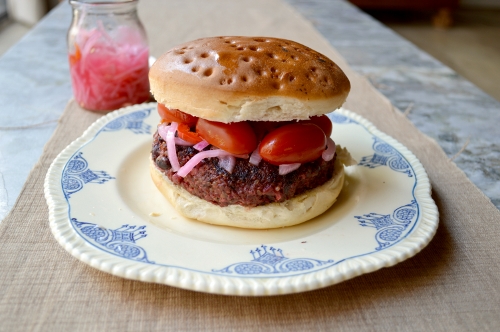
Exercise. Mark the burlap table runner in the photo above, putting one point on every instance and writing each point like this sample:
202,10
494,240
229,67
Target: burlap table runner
453,284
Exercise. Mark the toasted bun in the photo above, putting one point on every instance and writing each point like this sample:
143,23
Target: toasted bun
291,212
231,79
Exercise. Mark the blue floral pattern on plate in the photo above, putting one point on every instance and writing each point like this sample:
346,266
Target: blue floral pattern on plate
133,122
389,227
77,173
120,241
386,155
340,118
271,261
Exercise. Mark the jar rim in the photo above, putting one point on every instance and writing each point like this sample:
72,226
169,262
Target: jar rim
103,3
105,6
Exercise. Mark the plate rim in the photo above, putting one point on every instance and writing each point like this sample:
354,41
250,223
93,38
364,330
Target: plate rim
186,278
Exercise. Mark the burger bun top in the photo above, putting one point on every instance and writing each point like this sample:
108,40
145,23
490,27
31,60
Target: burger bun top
232,79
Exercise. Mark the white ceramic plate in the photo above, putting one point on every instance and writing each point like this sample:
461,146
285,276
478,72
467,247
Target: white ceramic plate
105,211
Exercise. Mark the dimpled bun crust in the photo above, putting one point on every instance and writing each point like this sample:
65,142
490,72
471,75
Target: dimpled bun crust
274,215
231,79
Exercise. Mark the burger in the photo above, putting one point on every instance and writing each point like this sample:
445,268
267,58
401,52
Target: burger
243,139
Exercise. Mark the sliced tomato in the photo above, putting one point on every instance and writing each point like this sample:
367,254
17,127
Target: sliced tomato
234,137
176,116
294,143
185,133
323,122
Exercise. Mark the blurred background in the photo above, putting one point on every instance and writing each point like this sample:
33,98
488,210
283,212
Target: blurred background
462,34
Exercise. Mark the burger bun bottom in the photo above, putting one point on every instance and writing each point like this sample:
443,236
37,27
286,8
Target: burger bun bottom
274,215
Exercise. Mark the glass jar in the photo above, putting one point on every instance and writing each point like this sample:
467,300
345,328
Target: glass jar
108,54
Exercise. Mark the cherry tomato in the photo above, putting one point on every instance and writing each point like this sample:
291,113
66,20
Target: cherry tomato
234,137
323,122
176,116
262,128
293,143
185,133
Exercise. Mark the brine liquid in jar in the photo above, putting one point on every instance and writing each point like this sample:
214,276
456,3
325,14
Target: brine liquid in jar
108,55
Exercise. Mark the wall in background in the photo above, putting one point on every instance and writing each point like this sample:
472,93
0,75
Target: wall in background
3,8
481,3
27,12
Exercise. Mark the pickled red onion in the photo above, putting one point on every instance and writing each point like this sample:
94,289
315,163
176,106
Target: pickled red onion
195,160
180,141
330,150
255,157
171,150
108,72
288,168
163,130
228,163
201,145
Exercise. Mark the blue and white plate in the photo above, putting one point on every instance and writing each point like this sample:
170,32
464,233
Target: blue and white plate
106,211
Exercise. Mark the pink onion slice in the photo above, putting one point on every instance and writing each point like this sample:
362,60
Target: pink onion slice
288,168
180,141
228,163
330,150
163,130
195,160
255,157
171,151
201,145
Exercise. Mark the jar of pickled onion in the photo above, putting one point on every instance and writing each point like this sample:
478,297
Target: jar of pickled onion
108,54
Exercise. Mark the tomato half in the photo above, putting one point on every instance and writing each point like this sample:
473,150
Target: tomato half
234,137
323,122
176,116
185,133
294,143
